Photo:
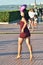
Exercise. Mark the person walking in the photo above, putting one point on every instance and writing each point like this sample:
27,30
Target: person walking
31,14
24,32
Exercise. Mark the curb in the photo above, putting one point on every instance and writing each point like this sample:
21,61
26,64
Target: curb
4,23
19,33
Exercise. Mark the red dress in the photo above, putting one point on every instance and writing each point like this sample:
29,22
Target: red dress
26,32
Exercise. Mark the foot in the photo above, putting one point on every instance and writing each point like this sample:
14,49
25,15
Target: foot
31,56
18,56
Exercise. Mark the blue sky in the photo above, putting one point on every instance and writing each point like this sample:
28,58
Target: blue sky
17,2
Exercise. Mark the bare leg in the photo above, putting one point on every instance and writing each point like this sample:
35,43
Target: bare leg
29,47
29,24
20,41
32,25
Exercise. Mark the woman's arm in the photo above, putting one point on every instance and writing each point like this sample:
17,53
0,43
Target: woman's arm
25,23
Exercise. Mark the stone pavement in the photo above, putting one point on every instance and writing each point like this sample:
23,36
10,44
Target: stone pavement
8,46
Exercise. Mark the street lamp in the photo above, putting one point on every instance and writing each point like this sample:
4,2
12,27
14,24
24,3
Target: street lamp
35,4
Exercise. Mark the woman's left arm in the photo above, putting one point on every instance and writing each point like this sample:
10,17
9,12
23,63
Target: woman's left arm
25,23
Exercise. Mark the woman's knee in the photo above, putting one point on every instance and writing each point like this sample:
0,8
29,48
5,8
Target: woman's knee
28,40
20,40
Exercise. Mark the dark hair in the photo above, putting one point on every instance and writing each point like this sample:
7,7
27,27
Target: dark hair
26,16
25,5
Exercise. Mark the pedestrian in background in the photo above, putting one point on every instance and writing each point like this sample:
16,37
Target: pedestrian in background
31,14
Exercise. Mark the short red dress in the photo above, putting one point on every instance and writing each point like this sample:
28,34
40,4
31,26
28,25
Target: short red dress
26,32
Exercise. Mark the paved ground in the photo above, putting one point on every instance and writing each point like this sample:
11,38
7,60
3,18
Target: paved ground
14,28
8,46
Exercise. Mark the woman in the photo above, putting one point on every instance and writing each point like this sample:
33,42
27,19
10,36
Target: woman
24,32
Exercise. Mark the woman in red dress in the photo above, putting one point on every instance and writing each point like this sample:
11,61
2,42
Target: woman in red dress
24,32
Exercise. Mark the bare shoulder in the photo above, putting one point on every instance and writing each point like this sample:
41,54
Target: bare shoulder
23,19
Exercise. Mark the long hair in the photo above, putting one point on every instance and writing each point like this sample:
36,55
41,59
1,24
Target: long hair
26,16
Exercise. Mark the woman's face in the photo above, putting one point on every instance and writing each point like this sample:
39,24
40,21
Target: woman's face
22,13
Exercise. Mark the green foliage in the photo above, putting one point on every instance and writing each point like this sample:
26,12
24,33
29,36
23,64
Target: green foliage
9,16
4,16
